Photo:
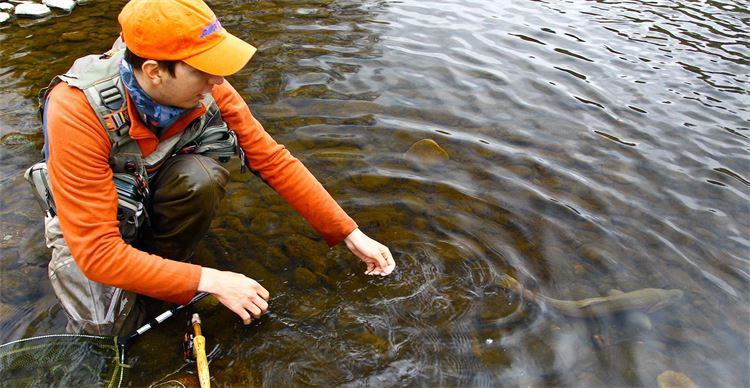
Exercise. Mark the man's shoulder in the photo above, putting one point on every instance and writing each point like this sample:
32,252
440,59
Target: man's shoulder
68,110
70,96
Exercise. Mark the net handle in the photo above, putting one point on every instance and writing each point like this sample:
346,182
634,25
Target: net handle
124,342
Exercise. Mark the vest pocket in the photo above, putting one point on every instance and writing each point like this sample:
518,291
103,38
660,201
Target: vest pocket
217,142
37,177
131,211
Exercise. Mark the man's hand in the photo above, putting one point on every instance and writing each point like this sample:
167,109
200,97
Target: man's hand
376,255
246,297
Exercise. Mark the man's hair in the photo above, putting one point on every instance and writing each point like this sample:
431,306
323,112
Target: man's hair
136,62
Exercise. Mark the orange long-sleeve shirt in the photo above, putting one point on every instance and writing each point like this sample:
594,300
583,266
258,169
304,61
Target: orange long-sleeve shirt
86,200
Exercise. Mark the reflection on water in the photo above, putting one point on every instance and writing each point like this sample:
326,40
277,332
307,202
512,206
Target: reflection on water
593,145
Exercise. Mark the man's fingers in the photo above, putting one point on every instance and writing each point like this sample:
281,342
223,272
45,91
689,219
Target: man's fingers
257,306
259,289
259,301
381,263
263,293
376,255
244,296
390,264
253,306
244,315
253,310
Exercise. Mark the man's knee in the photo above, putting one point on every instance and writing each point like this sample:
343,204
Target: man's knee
186,193
194,178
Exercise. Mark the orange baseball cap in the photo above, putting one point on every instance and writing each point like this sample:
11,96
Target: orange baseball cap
182,30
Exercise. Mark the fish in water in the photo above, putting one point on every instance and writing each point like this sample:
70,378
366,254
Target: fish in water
645,299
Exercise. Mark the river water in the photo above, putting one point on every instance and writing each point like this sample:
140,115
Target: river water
593,145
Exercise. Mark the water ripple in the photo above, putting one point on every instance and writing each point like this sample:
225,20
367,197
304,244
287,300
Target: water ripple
591,145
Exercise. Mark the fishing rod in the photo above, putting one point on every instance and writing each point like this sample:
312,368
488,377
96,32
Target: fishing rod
199,352
124,342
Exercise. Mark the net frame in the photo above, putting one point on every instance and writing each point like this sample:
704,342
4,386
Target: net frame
115,347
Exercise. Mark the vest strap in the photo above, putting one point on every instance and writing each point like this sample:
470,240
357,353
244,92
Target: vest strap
111,97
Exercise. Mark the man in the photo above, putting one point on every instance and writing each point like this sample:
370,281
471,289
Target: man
133,130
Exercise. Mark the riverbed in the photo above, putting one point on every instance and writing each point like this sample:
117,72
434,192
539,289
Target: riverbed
592,146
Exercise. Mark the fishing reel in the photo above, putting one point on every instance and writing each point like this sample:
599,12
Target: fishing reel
188,341
187,346
188,351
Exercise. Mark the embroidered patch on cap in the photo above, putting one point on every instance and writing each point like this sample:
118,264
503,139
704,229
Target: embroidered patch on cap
211,28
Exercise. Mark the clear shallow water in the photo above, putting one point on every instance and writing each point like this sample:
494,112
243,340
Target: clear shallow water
593,146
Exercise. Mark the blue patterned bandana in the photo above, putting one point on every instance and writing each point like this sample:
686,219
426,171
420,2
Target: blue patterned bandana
156,116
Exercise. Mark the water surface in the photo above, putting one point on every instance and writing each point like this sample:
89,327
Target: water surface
594,145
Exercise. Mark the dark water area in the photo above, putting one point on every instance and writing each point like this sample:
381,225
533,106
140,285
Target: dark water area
593,145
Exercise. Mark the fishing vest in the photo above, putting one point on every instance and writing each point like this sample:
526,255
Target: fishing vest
98,76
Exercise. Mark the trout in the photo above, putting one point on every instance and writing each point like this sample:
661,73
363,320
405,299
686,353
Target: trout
645,299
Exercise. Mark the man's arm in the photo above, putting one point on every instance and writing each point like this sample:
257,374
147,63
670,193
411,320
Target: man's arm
287,175
86,202
290,178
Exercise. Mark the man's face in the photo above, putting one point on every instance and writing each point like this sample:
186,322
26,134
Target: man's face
188,86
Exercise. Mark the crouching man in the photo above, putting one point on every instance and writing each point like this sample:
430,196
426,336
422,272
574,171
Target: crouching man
131,179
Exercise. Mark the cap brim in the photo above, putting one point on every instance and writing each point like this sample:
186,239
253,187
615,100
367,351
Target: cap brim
226,58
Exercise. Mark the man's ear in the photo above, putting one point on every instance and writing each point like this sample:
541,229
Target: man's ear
151,70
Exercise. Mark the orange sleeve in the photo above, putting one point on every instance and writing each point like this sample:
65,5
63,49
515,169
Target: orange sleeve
282,171
86,203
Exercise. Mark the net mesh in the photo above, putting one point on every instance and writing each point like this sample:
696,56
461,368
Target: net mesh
62,360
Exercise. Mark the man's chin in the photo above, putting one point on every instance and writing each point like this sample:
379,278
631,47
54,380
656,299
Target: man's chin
189,105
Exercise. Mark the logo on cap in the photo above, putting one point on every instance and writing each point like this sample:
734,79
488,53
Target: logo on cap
211,28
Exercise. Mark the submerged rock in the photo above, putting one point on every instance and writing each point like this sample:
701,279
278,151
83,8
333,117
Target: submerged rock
426,153
21,285
32,10
75,36
6,310
14,139
207,304
267,255
265,223
371,340
256,271
303,278
672,379
308,251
